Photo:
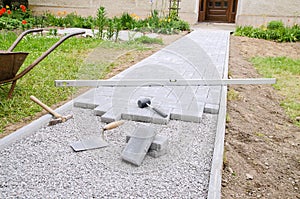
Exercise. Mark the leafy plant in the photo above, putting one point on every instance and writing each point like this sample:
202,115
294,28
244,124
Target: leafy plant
118,27
274,31
101,21
110,28
127,22
275,25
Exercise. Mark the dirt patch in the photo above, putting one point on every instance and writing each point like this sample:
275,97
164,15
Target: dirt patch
261,145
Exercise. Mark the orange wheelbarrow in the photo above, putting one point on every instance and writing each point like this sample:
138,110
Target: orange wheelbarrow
10,62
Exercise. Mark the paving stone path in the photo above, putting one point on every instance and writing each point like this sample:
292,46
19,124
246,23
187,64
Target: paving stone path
202,54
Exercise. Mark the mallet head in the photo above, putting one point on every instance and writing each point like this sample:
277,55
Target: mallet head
142,103
60,120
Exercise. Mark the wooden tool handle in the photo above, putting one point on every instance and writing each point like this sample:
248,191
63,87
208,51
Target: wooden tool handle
113,125
44,106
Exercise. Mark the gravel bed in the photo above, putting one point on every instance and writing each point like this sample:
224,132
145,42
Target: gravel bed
44,165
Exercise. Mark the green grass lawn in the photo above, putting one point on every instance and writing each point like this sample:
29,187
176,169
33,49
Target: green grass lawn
63,63
287,73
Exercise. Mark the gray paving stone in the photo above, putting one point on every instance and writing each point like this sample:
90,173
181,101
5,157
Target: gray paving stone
157,154
186,115
138,145
211,108
214,95
85,103
112,115
201,94
102,109
159,146
138,114
159,143
157,119
186,97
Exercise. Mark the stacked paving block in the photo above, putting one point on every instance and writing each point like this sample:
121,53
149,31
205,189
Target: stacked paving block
138,145
158,147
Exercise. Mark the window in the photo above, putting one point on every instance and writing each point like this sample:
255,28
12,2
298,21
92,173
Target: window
218,4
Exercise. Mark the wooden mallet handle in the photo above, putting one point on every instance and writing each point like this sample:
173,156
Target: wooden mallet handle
44,106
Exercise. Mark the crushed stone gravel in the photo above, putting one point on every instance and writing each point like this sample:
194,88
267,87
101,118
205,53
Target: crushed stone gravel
43,165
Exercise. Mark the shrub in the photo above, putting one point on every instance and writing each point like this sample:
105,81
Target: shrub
275,31
275,25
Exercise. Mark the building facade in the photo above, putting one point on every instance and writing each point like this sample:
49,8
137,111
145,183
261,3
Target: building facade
241,12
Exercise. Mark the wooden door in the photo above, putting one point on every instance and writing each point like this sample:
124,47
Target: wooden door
217,10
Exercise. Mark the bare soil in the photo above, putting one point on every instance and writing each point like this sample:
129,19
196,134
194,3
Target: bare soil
262,156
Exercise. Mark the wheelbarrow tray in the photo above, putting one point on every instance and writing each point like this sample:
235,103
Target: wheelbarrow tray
10,63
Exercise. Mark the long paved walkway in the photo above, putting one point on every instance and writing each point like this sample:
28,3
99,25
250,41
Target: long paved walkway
202,54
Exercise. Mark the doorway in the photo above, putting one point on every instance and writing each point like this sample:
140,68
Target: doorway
217,10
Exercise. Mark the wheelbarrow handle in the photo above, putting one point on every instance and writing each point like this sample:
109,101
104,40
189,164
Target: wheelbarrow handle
45,54
20,37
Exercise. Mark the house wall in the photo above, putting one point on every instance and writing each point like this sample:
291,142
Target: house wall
249,12
141,8
260,12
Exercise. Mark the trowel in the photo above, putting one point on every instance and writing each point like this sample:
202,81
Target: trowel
95,141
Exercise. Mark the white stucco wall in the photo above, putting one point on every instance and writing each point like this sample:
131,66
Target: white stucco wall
142,8
249,12
260,12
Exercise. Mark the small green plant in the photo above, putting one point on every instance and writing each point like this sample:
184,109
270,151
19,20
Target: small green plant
275,31
117,26
147,40
227,118
127,22
259,134
110,28
275,25
101,21
233,95
53,31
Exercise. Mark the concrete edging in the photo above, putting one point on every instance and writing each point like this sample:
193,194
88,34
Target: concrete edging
215,179
214,189
31,127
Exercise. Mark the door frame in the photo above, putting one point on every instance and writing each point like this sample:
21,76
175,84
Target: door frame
231,12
